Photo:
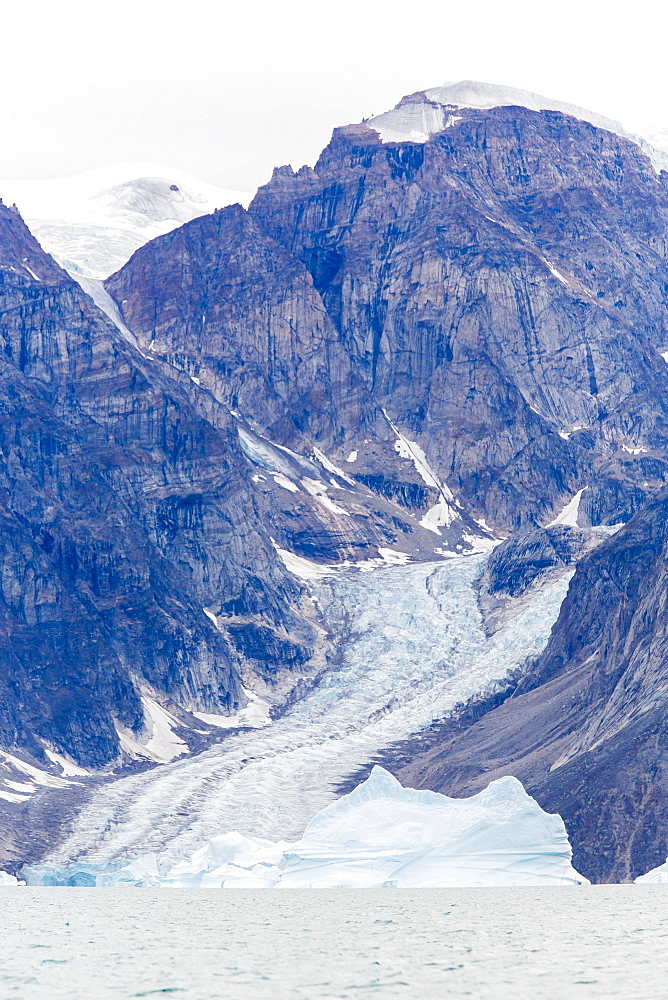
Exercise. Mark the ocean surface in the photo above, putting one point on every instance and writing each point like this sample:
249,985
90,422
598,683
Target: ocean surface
538,944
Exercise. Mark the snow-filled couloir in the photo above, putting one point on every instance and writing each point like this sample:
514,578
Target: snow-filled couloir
379,835
93,222
411,648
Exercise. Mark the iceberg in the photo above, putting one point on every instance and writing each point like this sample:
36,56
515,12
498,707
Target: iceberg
656,875
380,835
7,879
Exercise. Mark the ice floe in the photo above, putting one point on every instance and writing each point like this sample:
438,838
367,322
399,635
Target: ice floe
7,879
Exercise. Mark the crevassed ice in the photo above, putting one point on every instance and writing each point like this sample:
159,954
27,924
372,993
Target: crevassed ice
379,835
411,647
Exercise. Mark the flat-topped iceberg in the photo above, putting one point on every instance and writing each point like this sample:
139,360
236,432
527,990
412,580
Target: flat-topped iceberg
381,834
659,874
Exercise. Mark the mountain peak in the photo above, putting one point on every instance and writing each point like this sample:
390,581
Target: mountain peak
93,222
419,116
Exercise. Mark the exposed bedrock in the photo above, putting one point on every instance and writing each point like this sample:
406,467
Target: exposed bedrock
125,512
501,290
586,729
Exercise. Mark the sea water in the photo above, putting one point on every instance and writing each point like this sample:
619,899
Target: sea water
515,944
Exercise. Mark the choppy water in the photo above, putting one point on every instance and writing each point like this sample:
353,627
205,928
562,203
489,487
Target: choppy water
506,944
412,646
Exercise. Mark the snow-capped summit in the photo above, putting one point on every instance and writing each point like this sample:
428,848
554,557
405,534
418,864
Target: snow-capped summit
93,222
419,116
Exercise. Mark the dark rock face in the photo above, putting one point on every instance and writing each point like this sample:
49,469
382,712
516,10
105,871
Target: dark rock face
499,289
586,730
525,563
222,301
124,513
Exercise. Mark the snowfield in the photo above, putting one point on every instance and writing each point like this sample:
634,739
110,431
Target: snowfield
417,121
93,222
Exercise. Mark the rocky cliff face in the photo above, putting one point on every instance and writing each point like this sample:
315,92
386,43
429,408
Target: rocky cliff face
501,291
226,304
222,301
586,729
415,334
125,513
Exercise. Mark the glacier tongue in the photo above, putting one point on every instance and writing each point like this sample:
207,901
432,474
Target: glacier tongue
379,835
412,647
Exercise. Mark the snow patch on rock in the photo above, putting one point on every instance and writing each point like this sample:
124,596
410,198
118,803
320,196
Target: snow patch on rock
569,515
420,116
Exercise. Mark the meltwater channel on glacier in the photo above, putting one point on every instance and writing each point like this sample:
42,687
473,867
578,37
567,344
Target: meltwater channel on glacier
412,647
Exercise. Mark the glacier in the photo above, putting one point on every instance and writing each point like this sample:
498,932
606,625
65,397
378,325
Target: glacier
381,835
411,648
92,223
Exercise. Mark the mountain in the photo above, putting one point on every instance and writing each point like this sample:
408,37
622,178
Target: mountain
419,116
227,304
146,529
497,289
586,728
447,332
93,222
126,513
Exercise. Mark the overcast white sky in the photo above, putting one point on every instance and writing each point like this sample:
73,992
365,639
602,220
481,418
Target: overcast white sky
228,90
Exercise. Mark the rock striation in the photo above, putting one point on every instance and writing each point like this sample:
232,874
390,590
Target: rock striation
125,512
500,288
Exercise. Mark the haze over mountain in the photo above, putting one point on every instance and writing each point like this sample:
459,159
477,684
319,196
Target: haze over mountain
93,222
447,332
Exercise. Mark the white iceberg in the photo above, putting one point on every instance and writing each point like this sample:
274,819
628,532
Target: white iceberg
379,835
383,834
656,875
7,879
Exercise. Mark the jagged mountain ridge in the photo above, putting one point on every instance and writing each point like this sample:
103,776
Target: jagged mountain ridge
420,115
498,289
125,513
